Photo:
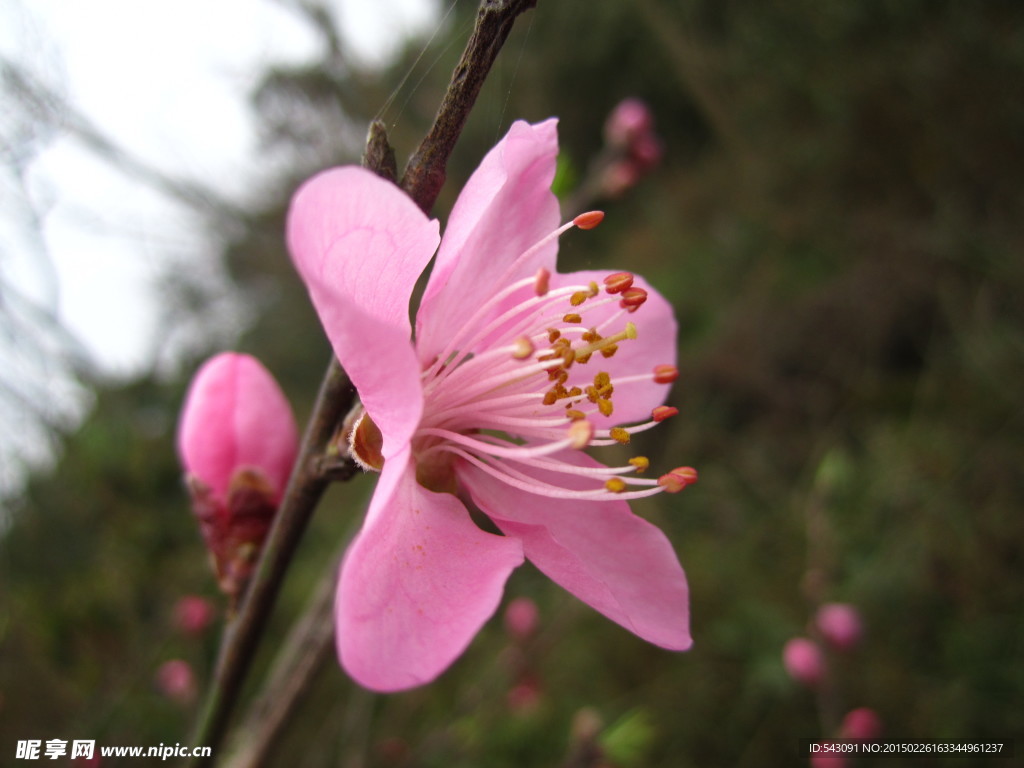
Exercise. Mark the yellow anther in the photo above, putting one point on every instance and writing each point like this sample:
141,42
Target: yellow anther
573,415
578,298
591,393
593,289
605,406
591,336
523,348
615,484
641,463
553,334
583,359
550,397
630,330
574,392
572,317
610,350
620,435
559,374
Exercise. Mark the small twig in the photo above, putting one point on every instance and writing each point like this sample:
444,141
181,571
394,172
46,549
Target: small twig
308,646
425,174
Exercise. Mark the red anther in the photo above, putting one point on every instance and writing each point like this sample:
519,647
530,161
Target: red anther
665,374
589,220
677,479
618,282
663,412
541,282
633,298
688,475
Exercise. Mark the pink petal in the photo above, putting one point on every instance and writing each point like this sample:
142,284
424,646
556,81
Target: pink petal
618,563
655,344
506,206
235,416
360,244
417,584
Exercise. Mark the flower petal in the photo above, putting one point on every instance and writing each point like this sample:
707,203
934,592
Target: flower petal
655,344
506,206
360,244
235,415
616,562
416,585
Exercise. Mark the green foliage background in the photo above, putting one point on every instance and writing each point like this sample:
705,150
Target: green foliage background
837,220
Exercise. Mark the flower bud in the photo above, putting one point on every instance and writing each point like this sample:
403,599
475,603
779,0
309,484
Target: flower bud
840,625
521,618
176,681
630,119
803,661
861,723
192,614
237,440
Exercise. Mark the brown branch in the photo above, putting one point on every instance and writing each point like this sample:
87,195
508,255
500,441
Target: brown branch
423,179
425,174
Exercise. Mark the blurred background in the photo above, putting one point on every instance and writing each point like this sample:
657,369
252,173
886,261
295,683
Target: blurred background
833,203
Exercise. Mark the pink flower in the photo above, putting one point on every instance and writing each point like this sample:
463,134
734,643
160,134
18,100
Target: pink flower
237,440
192,614
630,120
176,681
840,625
521,618
861,723
803,661
514,369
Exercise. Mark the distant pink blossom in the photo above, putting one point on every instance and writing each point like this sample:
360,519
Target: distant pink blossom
628,121
803,661
840,625
861,723
513,371
521,617
237,441
829,759
176,681
193,614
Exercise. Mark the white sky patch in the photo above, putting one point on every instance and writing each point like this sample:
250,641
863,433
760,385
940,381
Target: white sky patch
167,80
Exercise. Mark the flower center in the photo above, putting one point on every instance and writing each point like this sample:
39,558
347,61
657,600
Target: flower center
519,391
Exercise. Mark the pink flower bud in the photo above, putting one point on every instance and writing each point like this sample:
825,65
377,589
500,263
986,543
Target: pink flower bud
192,614
840,625
803,661
236,417
862,723
646,152
175,680
619,177
828,759
237,440
521,618
629,119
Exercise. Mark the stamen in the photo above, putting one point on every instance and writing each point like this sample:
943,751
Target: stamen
542,282
618,282
589,220
633,298
615,484
641,463
620,435
523,348
677,479
665,374
663,412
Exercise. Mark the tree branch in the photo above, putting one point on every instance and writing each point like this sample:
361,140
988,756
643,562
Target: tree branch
425,174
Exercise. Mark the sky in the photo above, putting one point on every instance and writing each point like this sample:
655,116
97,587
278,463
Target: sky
167,80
